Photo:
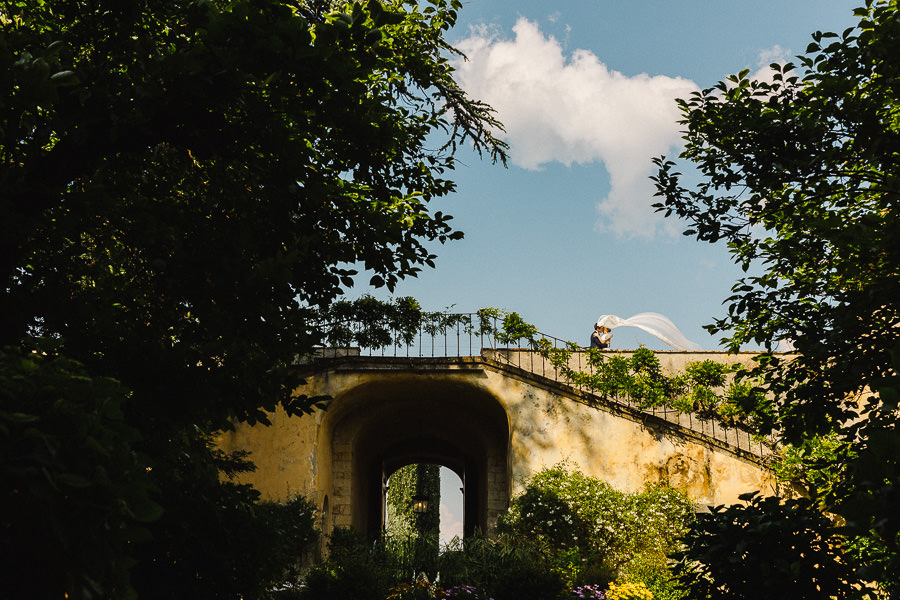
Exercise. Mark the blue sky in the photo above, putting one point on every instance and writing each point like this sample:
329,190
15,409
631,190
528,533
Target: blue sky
586,90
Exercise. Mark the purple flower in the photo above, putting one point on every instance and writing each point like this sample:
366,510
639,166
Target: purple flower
470,592
589,592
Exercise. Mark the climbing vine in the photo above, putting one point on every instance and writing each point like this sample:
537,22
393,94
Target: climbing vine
411,534
371,323
416,480
702,389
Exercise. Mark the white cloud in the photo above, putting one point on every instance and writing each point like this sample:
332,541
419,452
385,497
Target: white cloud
451,524
775,54
574,109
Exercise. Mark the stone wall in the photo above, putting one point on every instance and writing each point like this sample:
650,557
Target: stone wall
493,423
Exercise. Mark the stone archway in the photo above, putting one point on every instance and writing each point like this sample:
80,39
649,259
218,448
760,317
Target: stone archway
379,426
492,423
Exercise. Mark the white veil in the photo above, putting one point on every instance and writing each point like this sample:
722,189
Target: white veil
654,324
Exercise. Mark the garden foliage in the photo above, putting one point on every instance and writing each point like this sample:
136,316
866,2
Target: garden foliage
414,536
799,177
477,568
770,547
705,388
567,536
182,183
75,494
594,534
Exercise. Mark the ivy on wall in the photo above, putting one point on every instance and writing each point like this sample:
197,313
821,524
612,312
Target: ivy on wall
702,389
408,532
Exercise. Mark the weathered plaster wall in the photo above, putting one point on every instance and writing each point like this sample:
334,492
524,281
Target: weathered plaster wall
547,427
377,421
495,424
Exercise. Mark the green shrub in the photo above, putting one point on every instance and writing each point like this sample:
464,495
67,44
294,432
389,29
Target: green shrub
355,569
589,532
768,548
76,495
504,567
292,527
656,576
359,581
515,329
648,385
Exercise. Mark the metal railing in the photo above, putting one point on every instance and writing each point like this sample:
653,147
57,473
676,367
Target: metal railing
442,335
538,364
476,334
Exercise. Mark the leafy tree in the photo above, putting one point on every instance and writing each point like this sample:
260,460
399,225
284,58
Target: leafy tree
767,549
799,177
74,492
181,182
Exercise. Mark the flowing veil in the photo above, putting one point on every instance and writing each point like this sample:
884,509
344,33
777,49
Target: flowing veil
655,324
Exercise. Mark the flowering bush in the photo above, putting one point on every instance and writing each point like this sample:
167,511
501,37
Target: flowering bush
589,592
420,589
467,592
567,536
590,532
628,591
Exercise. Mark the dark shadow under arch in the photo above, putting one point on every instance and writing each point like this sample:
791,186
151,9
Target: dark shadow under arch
405,419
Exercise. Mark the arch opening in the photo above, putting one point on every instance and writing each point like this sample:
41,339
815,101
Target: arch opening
385,425
444,494
412,513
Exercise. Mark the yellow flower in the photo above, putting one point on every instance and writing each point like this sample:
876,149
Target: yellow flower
629,591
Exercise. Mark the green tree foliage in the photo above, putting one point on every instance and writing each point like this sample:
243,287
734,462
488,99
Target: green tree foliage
817,464
799,177
515,329
75,494
768,548
181,182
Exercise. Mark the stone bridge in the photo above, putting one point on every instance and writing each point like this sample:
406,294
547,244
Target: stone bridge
495,419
